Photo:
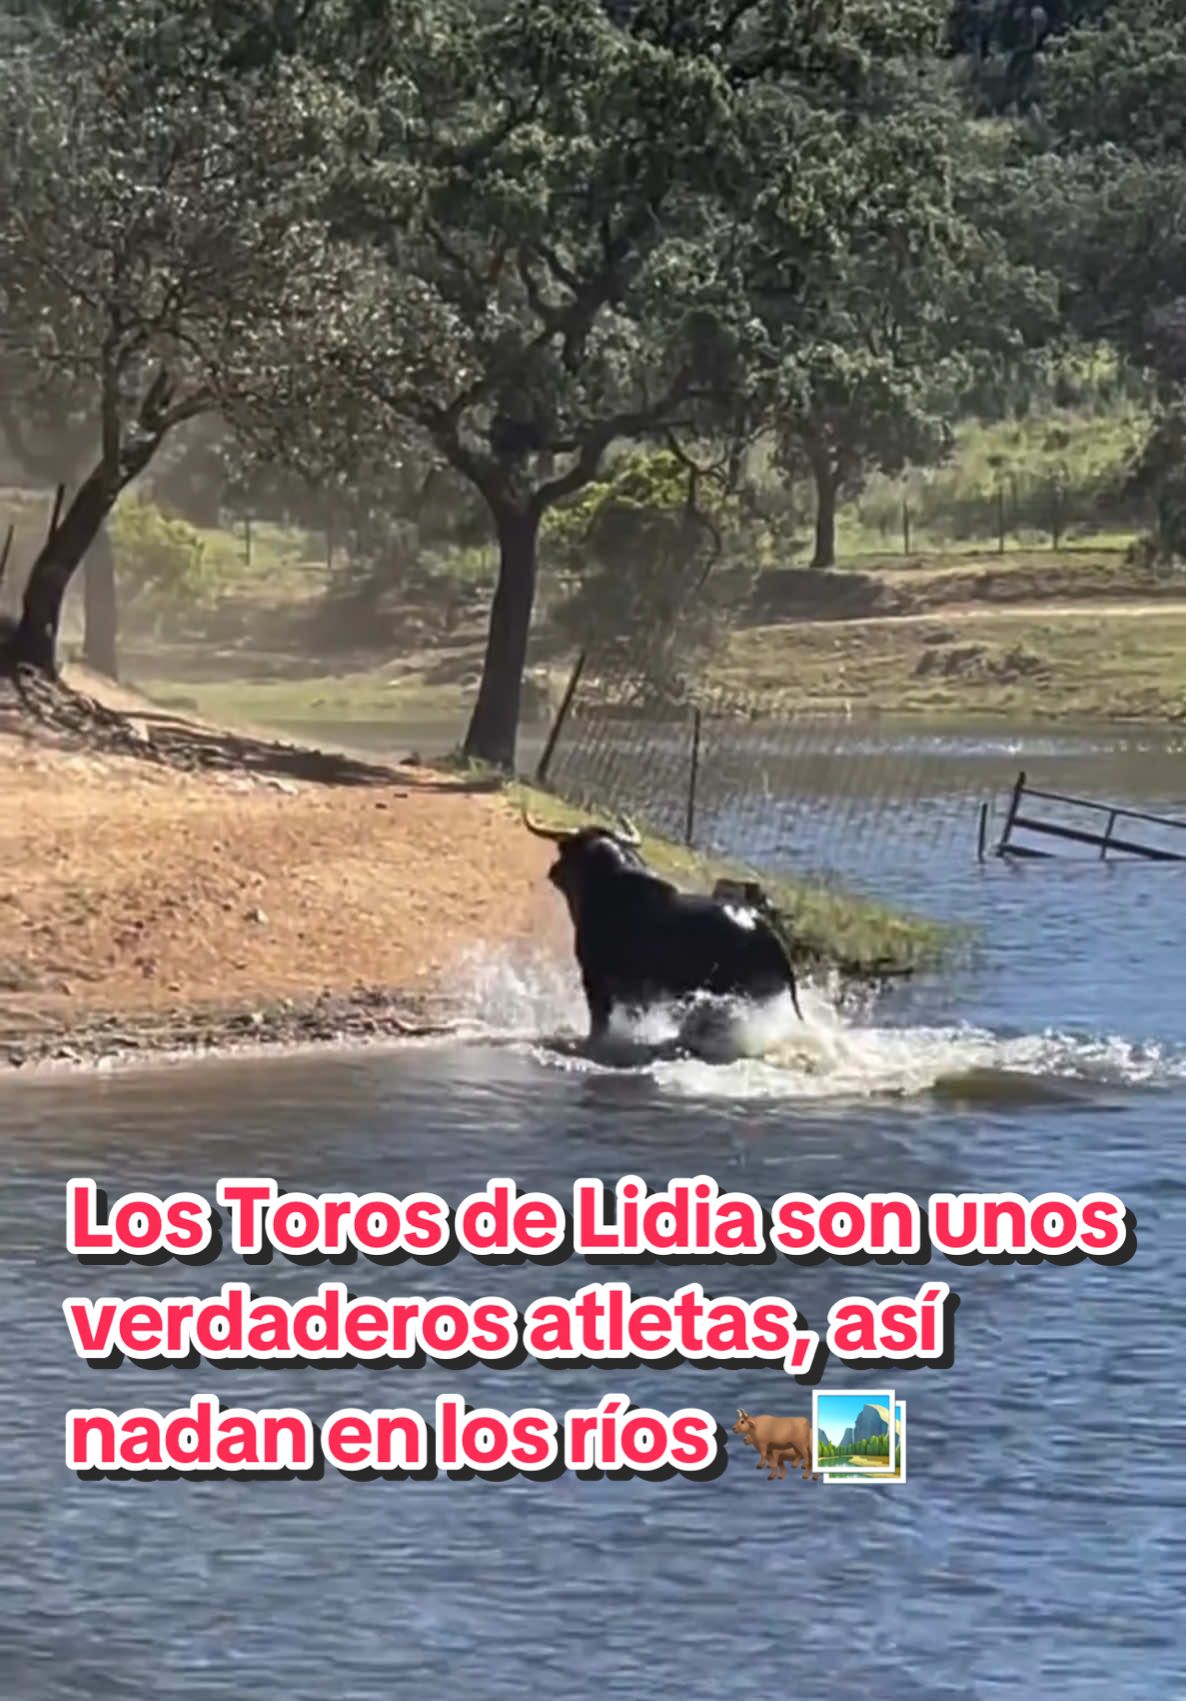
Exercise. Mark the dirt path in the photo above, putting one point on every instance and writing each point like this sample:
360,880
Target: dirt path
1021,611
139,899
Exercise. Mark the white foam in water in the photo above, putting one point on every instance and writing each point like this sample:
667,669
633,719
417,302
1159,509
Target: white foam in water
531,998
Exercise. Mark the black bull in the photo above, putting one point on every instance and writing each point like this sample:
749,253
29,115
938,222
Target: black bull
640,941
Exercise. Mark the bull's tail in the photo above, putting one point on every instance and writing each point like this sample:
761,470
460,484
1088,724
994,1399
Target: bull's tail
785,954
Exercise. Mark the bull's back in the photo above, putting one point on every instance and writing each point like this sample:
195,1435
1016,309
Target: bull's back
679,945
786,1432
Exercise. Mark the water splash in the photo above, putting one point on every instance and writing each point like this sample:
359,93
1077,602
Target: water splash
533,1000
831,1059
519,992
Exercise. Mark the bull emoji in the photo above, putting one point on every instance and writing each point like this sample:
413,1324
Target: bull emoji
777,1440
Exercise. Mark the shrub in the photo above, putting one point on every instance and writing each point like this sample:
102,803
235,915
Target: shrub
643,555
1159,476
164,566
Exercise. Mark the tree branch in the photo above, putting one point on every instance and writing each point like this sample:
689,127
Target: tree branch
468,159
597,439
482,472
723,37
443,247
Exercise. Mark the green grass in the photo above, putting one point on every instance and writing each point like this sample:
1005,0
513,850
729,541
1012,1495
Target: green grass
823,926
360,697
283,561
1105,663
1030,576
954,506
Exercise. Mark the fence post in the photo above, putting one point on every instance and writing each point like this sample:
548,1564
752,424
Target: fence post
1014,806
545,761
905,528
247,540
1107,836
7,551
982,841
1000,519
693,776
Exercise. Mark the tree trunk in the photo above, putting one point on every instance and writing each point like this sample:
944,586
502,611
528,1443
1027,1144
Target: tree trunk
494,725
100,642
826,485
35,641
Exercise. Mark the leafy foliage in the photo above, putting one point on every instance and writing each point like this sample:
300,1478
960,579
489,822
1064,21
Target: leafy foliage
1003,43
164,564
884,329
1160,475
158,245
157,220
643,545
572,225
1103,200
425,269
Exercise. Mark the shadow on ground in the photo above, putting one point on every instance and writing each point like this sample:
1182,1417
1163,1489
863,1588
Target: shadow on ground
34,702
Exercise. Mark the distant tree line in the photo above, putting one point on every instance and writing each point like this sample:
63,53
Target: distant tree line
870,1447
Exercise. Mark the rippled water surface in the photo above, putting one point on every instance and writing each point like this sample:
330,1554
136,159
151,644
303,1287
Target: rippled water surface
1036,1549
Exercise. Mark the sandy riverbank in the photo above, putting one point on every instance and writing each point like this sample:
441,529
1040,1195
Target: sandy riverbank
147,909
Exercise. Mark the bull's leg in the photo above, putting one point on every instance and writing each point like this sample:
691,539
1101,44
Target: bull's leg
793,1455
600,1006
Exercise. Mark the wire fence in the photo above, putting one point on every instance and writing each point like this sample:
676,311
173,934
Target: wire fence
871,802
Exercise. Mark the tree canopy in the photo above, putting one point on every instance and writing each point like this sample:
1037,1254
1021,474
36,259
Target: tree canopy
580,224
158,248
386,241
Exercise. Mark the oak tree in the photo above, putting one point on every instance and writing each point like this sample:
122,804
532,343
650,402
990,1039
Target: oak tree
554,209
157,248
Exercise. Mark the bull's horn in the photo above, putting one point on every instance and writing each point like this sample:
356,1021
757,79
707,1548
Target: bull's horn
556,834
629,834
740,1413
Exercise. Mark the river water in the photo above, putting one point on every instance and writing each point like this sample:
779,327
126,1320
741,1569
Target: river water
1037,1548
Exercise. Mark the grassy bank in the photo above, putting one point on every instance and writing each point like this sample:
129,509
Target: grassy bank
1058,467
1088,662
367,697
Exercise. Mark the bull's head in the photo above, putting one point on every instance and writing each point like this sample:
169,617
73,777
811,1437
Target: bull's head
744,1424
584,852
625,834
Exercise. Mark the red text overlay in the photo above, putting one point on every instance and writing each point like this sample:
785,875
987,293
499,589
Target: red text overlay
604,1322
